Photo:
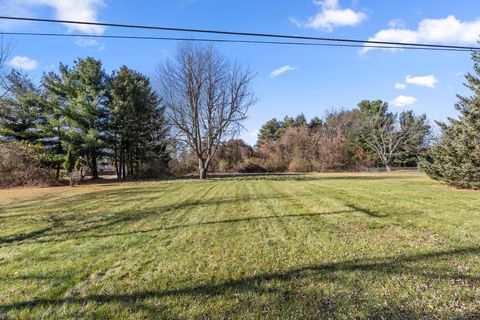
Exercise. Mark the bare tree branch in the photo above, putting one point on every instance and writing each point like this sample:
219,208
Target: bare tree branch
5,51
206,98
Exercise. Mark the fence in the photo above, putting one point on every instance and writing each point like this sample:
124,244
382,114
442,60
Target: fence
393,169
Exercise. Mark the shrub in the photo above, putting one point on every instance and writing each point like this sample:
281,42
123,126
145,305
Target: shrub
223,165
20,165
249,166
300,165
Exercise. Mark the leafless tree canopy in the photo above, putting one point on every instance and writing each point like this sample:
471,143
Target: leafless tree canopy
385,137
206,98
5,50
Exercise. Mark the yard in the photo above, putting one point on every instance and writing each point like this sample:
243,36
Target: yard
284,246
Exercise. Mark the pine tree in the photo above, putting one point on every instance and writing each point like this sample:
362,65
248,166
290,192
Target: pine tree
21,110
415,145
270,130
137,131
300,121
455,158
81,93
52,131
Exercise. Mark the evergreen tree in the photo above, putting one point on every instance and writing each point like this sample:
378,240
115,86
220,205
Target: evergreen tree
374,108
288,122
415,144
52,131
137,127
270,130
455,158
21,110
300,121
82,94
315,123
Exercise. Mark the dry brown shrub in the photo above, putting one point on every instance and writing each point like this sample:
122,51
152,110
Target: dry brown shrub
20,166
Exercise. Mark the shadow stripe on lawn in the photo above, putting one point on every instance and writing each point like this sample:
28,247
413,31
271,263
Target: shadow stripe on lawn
391,265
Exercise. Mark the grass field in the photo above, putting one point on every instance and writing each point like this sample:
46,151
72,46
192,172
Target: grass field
315,246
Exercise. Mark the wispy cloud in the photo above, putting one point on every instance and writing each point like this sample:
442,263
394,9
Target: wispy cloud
23,63
403,101
396,23
400,86
275,73
82,10
449,30
85,42
331,16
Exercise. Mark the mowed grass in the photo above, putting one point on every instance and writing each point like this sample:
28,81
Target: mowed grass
347,246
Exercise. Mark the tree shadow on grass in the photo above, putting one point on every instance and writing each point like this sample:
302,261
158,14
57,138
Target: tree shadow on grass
75,234
68,224
87,226
63,212
54,222
366,211
226,221
255,284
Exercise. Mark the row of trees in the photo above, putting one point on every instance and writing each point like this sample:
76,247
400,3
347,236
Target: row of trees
92,116
365,136
81,116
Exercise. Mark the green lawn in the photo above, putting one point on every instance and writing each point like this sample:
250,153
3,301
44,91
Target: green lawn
315,246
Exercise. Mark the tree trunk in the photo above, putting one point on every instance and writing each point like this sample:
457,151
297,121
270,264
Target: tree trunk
94,166
130,166
202,169
116,156
124,172
70,175
57,174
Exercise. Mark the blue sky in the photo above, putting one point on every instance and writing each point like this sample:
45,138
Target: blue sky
289,79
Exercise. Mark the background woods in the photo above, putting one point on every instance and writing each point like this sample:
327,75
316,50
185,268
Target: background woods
119,123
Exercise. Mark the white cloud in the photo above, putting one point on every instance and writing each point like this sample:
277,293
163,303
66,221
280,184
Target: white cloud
85,42
331,16
82,10
402,101
23,63
400,86
13,8
275,73
449,30
424,81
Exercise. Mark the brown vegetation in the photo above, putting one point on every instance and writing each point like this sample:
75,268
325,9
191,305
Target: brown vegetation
20,166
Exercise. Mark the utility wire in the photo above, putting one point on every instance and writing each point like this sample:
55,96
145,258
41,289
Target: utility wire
235,33
229,41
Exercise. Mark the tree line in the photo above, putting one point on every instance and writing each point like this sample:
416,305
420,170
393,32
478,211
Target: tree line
366,136
80,118
92,117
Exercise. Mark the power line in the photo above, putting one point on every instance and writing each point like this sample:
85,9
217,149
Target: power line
229,41
235,33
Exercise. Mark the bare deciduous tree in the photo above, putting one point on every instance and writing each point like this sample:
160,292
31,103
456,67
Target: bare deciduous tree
5,50
386,138
206,99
